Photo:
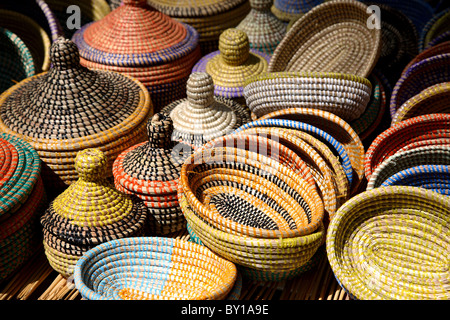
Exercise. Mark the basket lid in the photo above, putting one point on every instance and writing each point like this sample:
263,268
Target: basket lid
135,34
196,8
233,63
202,116
70,101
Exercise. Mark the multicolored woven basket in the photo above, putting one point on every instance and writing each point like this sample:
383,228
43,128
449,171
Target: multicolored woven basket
71,108
435,50
152,268
331,37
89,212
137,40
16,60
22,201
392,243
287,10
264,30
436,29
203,116
149,171
345,95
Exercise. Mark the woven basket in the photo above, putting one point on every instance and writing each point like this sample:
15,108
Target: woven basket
22,201
392,243
209,18
153,268
441,48
347,96
90,10
202,116
114,3
331,37
435,29
330,129
91,211
287,10
418,77
137,40
434,99
406,135
149,171
16,61
32,34
264,30
96,109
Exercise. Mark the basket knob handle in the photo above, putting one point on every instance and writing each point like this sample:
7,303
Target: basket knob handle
261,5
200,90
91,164
159,130
64,54
234,46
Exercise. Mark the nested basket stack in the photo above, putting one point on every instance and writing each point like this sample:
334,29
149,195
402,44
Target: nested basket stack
203,116
150,171
263,28
16,60
392,243
153,268
32,34
288,10
71,108
209,17
232,64
137,40
22,201
254,202
89,212
436,30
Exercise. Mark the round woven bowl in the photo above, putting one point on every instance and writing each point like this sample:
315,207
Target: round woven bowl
392,243
264,30
434,99
153,268
32,34
336,31
345,95
406,135
436,27
435,50
90,109
287,10
412,163
418,77
16,60
330,129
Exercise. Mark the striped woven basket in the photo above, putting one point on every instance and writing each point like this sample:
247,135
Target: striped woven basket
152,268
91,211
331,37
149,171
32,34
434,99
287,10
22,201
16,60
441,48
406,135
436,29
96,109
392,243
345,95
418,77
264,30
137,40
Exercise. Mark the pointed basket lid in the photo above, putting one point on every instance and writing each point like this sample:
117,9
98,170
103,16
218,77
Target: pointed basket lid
233,63
202,116
135,34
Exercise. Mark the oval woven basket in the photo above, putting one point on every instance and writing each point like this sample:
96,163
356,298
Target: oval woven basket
336,31
392,243
434,99
418,77
16,60
153,268
406,135
345,95
435,29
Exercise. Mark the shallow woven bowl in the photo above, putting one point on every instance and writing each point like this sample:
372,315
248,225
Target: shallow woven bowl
331,37
392,243
153,268
418,77
435,50
406,135
345,95
436,27
434,99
